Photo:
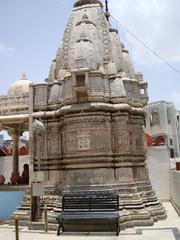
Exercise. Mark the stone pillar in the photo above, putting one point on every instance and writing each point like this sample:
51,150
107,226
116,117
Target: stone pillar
31,140
15,151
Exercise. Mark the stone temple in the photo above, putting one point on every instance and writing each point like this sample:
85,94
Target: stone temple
91,134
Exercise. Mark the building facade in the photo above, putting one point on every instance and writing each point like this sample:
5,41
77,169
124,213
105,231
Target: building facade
163,122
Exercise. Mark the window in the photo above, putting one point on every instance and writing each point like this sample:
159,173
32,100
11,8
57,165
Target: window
171,153
171,142
150,120
80,80
169,115
142,91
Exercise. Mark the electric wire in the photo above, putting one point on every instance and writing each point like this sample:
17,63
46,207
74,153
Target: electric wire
145,45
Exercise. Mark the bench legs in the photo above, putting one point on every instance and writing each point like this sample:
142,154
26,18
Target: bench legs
117,227
117,232
60,228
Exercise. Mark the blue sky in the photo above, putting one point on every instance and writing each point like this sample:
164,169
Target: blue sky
31,31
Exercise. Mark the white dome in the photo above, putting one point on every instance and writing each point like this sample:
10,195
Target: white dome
20,87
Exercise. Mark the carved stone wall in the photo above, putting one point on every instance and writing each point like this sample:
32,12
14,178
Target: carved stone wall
10,105
48,147
95,141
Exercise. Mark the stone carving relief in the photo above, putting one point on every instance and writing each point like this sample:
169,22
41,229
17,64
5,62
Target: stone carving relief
139,143
124,141
81,63
83,141
41,94
117,88
66,42
71,141
106,40
54,93
38,127
53,142
135,92
39,130
83,55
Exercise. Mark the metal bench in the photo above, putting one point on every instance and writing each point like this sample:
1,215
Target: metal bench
92,210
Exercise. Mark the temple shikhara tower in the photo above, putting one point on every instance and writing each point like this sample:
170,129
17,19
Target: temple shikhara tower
86,119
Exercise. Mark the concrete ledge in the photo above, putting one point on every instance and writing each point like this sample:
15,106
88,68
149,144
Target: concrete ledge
175,193
175,207
11,188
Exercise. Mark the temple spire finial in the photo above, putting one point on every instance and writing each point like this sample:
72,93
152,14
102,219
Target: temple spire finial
79,3
107,10
24,76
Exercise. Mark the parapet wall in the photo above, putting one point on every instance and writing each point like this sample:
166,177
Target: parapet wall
158,165
13,105
6,101
159,103
175,187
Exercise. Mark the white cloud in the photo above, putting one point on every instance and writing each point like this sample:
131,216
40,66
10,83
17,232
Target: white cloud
8,51
156,22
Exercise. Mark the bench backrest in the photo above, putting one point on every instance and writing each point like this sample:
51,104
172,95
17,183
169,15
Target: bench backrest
91,203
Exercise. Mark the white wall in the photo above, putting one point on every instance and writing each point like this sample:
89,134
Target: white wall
166,111
1,140
158,165
175,189
6,164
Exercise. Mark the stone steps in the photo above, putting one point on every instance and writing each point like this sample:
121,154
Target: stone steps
138,206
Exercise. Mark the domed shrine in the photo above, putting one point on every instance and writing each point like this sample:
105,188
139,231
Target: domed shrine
91,107
14,115
20,88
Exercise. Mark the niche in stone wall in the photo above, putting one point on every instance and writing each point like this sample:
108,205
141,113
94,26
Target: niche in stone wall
81,92
80,80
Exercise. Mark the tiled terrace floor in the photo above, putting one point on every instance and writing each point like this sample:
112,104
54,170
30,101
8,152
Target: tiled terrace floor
168,229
